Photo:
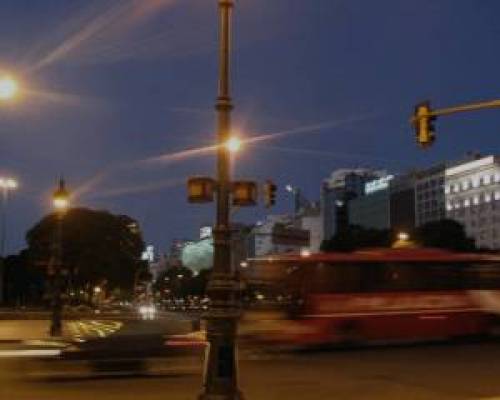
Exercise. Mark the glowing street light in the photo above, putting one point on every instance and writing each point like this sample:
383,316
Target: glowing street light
8,88
403,236
8,184
305,253
60,198
233,144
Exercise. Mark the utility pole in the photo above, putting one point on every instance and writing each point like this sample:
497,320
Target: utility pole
221,372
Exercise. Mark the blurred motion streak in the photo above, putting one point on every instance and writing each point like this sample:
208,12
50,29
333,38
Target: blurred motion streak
109,24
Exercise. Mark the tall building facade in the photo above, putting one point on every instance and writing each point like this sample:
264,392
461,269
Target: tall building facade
429,195
276,235
402,202
372,211
337,191
472,194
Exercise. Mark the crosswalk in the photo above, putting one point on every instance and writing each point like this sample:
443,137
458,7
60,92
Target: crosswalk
87,329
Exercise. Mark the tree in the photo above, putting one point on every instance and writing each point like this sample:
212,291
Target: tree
198,255
354,237
446,233
98,247
24,283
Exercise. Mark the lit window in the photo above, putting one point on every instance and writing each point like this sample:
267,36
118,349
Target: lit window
475,182
497,195
449,207
456,188
487,197
465,185
447,189
457,205
476,200
497,177
466,202
486,179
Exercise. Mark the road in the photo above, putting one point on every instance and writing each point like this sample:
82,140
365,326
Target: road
456,371
425,372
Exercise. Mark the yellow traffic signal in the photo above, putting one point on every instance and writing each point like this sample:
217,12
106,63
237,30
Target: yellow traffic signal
244,193
423,120
269,193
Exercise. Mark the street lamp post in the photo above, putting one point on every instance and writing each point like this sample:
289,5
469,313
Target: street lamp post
220,375
61,205
6,185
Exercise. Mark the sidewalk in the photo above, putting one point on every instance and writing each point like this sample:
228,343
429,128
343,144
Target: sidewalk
19,330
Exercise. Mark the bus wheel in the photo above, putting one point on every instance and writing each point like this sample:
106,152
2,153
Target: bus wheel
349,333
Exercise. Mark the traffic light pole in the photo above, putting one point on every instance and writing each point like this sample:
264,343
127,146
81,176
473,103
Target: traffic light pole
424,116
221,374
462,108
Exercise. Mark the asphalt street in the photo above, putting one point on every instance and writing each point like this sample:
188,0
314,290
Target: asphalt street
425,372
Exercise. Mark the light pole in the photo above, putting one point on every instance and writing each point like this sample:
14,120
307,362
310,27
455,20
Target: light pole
220,376
6,185
61,204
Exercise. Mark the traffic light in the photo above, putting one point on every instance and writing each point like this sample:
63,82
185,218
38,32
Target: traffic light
269,194
424,124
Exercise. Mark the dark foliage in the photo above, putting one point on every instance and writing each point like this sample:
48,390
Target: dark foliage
98,247
446,234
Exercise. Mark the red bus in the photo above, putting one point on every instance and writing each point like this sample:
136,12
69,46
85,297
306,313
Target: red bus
384,295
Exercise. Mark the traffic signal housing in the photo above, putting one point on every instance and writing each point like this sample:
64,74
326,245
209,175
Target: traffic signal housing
269,193
423,121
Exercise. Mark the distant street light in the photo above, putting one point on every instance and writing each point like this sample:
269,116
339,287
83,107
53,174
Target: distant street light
61,204
305,253
6,185
233,144
8,88
403,236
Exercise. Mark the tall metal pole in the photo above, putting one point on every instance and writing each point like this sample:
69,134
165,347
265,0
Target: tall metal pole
221,374
56,322
5,197
61,203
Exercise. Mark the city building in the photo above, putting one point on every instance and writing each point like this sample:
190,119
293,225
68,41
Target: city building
402,202
310,220
372,211
175,252
472,195
275,235
337,191
429,195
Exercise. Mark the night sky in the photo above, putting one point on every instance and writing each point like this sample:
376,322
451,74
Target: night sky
109,86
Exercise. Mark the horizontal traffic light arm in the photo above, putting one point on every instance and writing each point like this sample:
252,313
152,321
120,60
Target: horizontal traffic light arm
462,108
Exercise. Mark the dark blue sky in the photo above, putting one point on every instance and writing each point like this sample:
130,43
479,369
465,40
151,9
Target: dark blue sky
110,83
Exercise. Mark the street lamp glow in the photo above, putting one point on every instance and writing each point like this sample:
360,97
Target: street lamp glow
97,290
60,199
8,183
233,144
8,88
289,188
403,236
305,253
61,203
